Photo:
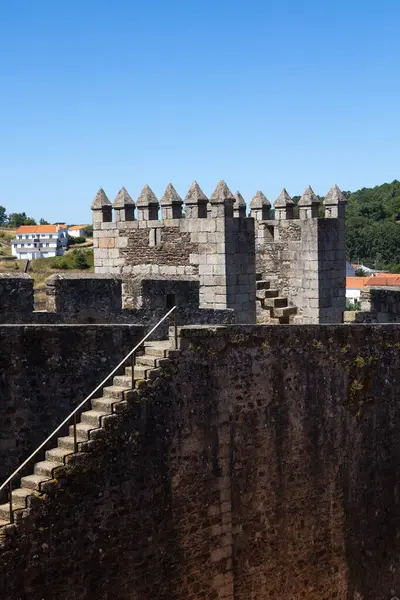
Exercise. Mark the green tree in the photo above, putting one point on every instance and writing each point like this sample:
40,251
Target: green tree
43,222
80,261
3,216
18,219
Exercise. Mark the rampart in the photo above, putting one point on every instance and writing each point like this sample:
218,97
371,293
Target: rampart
263,463
377,305
93,298
45,371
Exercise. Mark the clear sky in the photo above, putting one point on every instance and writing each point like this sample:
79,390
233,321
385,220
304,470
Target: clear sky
261,93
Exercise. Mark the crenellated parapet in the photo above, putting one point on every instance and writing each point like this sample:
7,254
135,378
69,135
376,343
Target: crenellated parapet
209,239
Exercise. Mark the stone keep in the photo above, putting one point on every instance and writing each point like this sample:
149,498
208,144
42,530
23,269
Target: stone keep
305,258
214,243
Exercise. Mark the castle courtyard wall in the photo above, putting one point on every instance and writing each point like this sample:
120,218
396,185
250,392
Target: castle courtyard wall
45,371
263,463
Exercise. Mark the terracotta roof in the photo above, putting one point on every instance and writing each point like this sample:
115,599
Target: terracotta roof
76,227
356,282
37,229
384,280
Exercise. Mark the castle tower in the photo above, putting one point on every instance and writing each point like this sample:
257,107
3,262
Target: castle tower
308,205
260,207
171,204
147,205
102,209
196,202
222,201
239,206
335,204
124,206
284,206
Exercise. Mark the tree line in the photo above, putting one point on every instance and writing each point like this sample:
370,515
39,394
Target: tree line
15,220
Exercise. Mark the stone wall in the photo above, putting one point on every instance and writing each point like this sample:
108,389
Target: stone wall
264,463
378,305
16,297
306,261
84,298
45,371
213,246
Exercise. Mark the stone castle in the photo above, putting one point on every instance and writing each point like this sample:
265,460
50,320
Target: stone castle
226,460
303,260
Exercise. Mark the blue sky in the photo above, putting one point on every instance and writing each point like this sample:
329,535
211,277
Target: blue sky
261,93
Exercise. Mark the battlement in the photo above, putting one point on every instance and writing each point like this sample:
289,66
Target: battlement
213,240
101,299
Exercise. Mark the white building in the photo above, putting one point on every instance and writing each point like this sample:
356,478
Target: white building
77,230
39,241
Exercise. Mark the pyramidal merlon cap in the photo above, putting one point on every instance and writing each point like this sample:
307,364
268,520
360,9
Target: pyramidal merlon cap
100,200
195,194
221,192
146,197
170,196
123,199
260,200
308,198
239,200
334,196
283,199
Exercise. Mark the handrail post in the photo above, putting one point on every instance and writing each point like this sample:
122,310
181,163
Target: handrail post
75,438
133,371
11,502
175,330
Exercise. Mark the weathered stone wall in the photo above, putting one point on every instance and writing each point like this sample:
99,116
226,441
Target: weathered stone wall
16,297
218,250
378,305
84,299
305,260
279,258
47,370
263,464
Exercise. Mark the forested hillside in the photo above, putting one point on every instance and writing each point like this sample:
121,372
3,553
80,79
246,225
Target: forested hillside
373,226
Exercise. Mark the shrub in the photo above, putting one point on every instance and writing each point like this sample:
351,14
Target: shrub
80,261
59,263
76,240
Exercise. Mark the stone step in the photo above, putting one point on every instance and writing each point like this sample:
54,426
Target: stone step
123,381
5,514
57,455
276,302
104,404
45,467
141,372
82,431
19,497
271,293
260,294
115,391
93,417
4,522
147,361
286,311
259,276
263,284
32,481
67,443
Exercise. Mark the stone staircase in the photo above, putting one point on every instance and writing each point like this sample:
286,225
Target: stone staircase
271,307
148,366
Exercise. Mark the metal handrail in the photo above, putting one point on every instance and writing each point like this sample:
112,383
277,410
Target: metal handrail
73,414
